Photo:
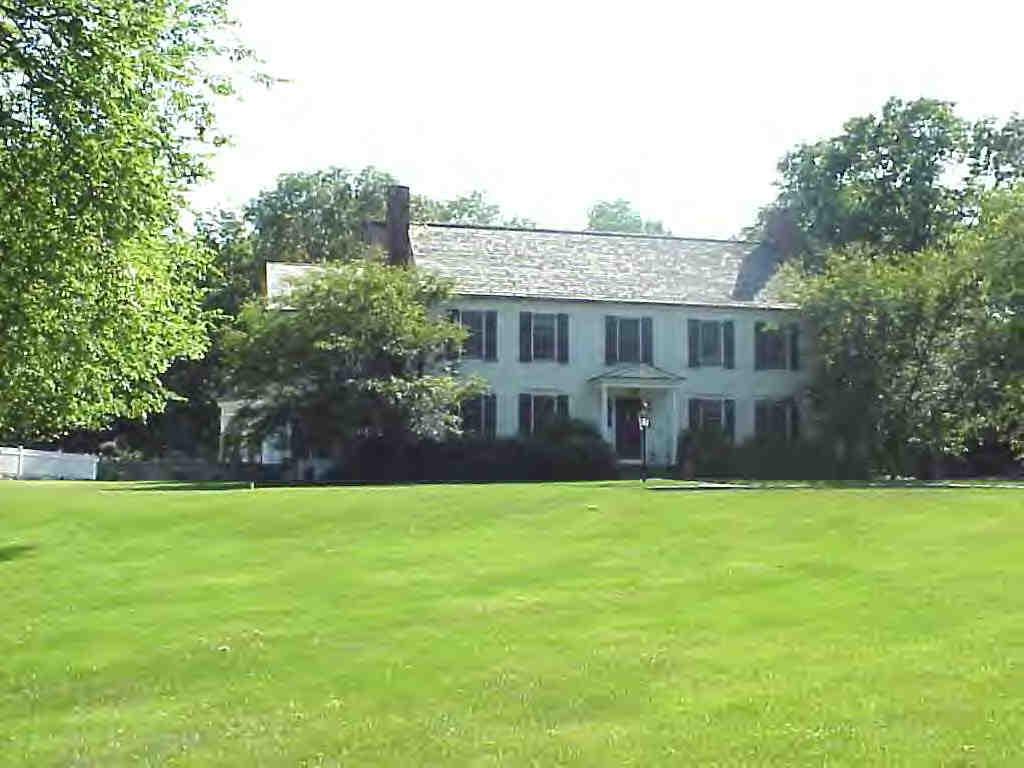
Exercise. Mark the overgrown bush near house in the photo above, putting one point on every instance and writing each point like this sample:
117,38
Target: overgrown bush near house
569,450
708,453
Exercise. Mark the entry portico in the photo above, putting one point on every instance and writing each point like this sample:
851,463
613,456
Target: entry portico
623,391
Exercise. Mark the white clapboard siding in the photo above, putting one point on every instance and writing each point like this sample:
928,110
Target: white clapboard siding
28,464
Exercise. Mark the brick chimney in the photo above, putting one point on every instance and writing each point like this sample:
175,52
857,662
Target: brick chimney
396,224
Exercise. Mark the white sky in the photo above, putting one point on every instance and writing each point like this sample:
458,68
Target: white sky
683,108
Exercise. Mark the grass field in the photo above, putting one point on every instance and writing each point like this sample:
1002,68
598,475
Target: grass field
548,625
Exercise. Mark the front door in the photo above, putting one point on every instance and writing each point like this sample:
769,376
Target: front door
627,428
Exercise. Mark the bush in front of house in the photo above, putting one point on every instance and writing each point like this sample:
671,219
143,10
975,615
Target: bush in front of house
709,453
567,450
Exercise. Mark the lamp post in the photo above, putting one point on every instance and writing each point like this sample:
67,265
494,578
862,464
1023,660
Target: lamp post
644,418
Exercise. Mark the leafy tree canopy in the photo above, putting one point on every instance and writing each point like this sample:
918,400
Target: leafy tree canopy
318,216
105,118
358,353
620,216
898,182
924,355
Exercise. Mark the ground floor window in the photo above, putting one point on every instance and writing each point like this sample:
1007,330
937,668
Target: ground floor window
536,412
777,418
713,413
480,416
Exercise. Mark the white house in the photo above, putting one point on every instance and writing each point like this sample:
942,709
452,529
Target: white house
593,325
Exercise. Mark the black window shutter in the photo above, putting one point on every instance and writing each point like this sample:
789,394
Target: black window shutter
794,420
693,342
611,340
491,335
490,416
562,407
729,344
451,350
647,340
758,346
525,414
563,338
794,347
730,419
694,420
525,336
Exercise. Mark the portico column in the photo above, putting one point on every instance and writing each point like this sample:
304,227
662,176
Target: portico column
604,411
674,445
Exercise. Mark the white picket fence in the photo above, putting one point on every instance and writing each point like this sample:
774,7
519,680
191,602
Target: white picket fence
26,464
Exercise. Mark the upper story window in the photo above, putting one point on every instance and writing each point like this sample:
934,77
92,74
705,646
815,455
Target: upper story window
713,413
480,416
711,343
537,412
628,340
776,347
543,336
777,418
482,326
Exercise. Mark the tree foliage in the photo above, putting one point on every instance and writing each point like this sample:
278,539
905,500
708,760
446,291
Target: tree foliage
306,217
921,356
620,216
898,182
105,118
318,216
359,352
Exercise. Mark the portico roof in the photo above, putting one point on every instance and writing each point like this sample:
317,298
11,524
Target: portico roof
637,375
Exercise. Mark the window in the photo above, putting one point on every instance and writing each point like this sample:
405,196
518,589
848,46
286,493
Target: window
629,340
777,418
543,336
480,416
713,413
536,412
482,341
776,347
712,343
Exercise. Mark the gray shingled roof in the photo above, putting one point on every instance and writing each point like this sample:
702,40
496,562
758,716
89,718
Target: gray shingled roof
552,264
588,266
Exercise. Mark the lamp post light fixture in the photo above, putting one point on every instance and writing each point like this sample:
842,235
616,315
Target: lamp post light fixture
644,419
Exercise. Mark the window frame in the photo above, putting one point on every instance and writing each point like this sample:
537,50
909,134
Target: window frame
790,409
717,325
727,419
778,334
554,397
643,343
534,357
725,335
488,431
458,315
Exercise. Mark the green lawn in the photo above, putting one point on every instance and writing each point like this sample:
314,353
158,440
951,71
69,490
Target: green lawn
548,625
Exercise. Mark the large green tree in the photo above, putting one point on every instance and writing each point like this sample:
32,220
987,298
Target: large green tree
900,181
359,352
105,118
923,356
620,216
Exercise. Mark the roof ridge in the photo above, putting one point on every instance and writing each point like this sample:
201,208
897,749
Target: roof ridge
588,232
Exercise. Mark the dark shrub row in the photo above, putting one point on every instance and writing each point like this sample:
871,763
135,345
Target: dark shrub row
708,453
570,450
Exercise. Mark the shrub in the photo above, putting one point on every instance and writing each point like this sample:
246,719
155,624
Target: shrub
765,458
569,450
